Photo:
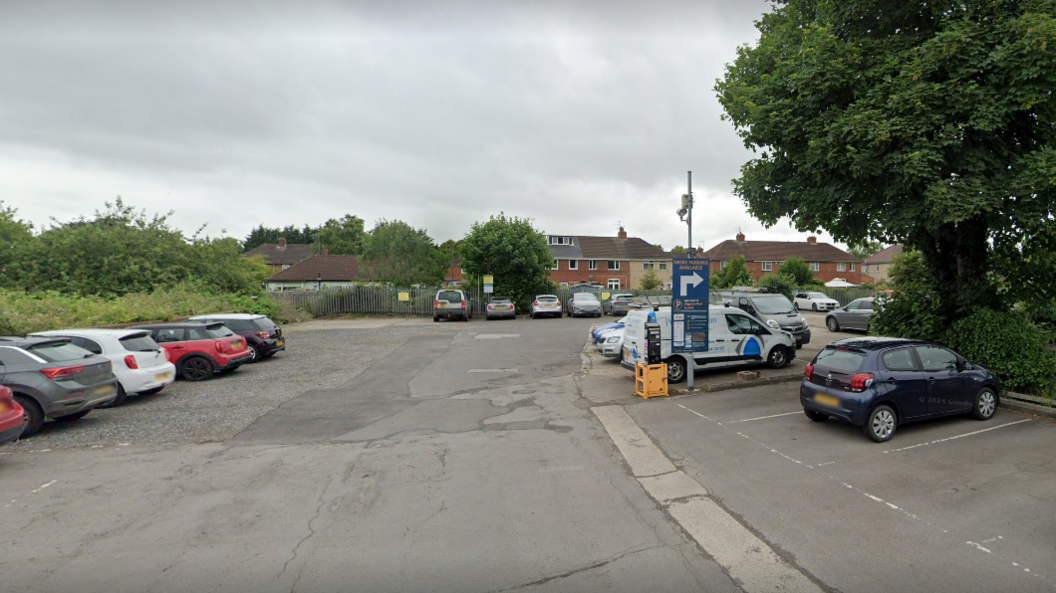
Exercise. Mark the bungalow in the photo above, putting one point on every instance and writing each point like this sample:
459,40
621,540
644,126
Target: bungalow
317,272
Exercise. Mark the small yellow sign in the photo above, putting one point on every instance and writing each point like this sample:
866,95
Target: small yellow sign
405,296
489,279
605,296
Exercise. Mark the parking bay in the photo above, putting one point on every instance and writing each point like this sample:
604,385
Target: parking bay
947,505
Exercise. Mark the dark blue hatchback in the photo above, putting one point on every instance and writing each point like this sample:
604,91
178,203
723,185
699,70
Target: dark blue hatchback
881,383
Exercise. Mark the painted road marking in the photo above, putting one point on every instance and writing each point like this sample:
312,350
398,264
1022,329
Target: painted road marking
960,436
763,417
492,371
495,336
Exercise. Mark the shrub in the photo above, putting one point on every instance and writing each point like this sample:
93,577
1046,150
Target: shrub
1008,345
914,313
778,284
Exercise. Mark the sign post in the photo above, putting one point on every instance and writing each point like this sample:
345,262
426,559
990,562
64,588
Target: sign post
489,283
689,309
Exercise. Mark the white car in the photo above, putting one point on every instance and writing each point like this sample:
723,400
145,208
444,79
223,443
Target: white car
546,304
815,301
138,362
610,343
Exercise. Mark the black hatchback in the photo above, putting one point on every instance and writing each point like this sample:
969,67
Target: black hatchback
263,336
881,383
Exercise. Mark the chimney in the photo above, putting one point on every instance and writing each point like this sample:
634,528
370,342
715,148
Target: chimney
324,251
812,240
282,243
740,237
623,234
700,251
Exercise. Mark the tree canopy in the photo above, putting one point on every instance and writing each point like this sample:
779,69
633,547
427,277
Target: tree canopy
799,272
735,273
397,253
928,124
514,252
344,236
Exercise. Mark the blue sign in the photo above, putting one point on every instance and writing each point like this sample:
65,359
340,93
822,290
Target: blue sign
689,304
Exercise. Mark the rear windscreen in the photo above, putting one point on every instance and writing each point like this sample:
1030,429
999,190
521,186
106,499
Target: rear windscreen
840,360
264,323
548,299
139,343
451,296
58,351
500,300
218,330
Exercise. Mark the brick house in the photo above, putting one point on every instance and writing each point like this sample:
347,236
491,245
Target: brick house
453,278
879,265
616,263
760,257
317,272
280,256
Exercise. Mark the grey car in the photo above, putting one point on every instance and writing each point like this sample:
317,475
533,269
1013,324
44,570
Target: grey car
500,307
53,379
619,305
453,304
584,303
854,316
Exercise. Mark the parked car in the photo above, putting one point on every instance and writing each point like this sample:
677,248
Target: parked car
136,359
53,379
200,349
774,310
500,307
263,336
583,303
610,343
618,304
12,417
854,316
815,301
881,383
618,324
453,304
546,304
735,338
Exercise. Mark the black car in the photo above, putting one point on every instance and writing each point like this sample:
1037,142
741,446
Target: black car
880,383
263,336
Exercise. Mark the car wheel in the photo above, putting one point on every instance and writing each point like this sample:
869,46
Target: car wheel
832,324
436,319
881,424
676,369
73,417
196,369
814,307
120,399
778,358
816,416
34,414
152,391
985,404
254,354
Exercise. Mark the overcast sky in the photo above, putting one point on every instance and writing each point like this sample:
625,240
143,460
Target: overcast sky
575,114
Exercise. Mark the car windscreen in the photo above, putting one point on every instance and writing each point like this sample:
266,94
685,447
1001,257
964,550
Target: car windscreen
218,330
139,343
772,305
58,351
451,296
840,360
586,296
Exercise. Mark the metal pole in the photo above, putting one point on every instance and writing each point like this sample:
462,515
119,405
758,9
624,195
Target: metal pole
689,219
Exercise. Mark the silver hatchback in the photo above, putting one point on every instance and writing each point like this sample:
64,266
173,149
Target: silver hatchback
546,304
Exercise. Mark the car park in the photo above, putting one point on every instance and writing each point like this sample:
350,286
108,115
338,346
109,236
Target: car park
855,315
610,342
583,304
200,349
618,304
12,416
500,307
881,383
735,339
815,301
53,379
263,336
774,310
136,359
546,305
452,304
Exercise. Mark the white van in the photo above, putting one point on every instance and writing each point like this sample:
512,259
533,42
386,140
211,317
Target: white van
735,338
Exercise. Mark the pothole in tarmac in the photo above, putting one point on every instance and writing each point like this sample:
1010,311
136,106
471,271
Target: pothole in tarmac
523,391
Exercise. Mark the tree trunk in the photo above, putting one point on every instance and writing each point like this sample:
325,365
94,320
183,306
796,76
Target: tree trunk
957,255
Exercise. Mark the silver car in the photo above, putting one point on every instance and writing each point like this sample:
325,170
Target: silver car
584,303
500,307
618,305
610,343
453,304
854,316
546,304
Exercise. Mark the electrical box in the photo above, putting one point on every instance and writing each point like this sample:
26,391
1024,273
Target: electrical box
652,343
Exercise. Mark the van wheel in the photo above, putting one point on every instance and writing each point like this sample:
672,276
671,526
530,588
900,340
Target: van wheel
778,358
676,369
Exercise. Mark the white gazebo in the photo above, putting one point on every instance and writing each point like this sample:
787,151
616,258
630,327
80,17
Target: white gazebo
839,283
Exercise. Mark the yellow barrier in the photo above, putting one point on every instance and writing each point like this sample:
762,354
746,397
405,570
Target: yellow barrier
650,380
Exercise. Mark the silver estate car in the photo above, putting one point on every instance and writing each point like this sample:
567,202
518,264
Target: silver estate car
546,304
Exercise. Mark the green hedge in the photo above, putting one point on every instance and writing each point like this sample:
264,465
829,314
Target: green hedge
1008,345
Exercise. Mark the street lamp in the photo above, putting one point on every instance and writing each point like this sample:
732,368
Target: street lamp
685,213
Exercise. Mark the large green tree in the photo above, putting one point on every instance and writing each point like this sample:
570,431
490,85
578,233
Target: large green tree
262,234
799,272
397,253
344,236
513,252
14,233
929,124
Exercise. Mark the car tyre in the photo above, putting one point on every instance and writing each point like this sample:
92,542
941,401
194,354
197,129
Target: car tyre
832,324
196,368
778,357
881,424
73,417
254,354
814,307
436,319
985,404
816,416
33,412
676,369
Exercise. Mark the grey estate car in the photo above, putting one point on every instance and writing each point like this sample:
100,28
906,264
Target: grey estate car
53,379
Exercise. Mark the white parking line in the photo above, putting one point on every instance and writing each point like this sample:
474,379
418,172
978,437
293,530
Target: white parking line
761,417
496,336
492,371
960,436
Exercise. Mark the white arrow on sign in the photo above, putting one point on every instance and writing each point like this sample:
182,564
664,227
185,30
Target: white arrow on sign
690,281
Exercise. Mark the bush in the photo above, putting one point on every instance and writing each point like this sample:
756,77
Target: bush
913,313
1008,345
778,284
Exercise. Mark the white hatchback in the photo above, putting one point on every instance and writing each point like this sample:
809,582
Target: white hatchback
138,362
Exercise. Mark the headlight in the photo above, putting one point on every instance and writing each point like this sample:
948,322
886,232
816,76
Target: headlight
612,340
773,324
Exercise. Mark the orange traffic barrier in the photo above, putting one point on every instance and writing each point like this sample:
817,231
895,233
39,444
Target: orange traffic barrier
650,380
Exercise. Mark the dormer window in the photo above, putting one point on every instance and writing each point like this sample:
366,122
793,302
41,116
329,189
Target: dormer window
554,240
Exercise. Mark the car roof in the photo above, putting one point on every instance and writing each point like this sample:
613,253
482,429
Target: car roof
183,324
114,333
244,316
22,342
870,343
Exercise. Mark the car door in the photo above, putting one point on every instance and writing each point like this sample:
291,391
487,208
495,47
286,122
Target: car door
742,345
947,389
865,313
855,315
845,315
905,381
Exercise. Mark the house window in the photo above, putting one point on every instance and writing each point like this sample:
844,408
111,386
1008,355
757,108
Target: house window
614,283
647,265
852,266
815,266
841,267
768,266
564,285
592,264
560,240
667,286
614,265
877,267
285,266
663,265
573,264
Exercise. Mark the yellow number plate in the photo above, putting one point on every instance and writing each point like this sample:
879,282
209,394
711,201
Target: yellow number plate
162,377
103,389
281,342
827,400
3,407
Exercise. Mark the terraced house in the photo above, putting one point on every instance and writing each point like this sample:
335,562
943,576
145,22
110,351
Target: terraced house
828,262
616,263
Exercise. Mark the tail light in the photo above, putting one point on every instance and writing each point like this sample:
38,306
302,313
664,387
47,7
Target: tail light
809,372
436,304
262,334
535,304
860,381
130,362
463,304
63,373
219,346
489,307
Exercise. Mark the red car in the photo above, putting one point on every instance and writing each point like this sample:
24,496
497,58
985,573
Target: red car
12,417
200,349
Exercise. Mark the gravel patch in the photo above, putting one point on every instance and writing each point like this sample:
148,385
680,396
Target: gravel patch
220,408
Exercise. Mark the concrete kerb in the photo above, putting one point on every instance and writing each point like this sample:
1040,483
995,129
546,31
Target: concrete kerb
707,387
1029,408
